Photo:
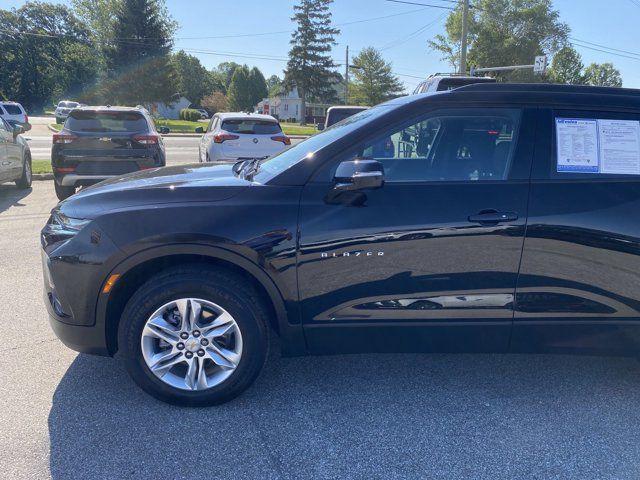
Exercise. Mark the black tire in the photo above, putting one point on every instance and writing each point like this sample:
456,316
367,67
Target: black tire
25,179
224,288
63,192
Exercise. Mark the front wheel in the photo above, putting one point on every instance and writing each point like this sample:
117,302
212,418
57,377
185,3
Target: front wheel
63,192
194,336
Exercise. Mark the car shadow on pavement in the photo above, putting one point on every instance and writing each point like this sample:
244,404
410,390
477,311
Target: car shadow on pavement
361,416
10,196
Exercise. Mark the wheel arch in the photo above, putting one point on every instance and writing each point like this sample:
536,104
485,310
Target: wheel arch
135,270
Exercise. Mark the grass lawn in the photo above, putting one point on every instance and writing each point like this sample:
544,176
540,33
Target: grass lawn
41,166
180,126
56,126
296,129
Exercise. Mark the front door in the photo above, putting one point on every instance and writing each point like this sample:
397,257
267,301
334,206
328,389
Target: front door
5,163
428,262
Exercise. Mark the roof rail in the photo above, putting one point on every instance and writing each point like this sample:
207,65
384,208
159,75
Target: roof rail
546,87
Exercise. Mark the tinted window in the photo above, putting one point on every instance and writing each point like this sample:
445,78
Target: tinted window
92,121
339,114
247,125
452,145
13,109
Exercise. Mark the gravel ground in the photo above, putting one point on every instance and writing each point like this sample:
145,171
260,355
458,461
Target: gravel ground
68,416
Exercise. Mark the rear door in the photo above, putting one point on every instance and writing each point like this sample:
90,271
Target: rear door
429,261
579,284
254,138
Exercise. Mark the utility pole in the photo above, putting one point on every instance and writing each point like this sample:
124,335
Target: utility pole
465,31
346,77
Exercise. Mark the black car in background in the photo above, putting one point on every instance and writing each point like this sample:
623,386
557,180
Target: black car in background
490,218
97,143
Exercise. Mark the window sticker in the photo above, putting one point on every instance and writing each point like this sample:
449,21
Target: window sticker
577,140
619,146
598,146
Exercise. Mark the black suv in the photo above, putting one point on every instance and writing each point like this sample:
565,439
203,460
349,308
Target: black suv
491,218
102,142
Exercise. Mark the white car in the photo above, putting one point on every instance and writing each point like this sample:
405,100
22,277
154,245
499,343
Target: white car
234,136
14,114
63,109
203,113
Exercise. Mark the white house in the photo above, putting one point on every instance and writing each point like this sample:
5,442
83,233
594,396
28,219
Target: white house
168,110
289,105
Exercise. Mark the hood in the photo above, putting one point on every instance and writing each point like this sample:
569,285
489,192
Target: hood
175,184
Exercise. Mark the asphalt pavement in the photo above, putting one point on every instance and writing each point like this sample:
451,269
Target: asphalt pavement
71,416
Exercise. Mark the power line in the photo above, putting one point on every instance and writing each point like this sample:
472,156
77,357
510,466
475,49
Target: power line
398,42
604,46
577,44
422,4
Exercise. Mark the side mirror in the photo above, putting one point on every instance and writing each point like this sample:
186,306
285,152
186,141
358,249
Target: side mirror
17,130
359,174
199,130
164,130
320,126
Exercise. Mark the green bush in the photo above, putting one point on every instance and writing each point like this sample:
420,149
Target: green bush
190,114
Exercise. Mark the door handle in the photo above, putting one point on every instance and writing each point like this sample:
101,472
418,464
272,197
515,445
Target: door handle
493,217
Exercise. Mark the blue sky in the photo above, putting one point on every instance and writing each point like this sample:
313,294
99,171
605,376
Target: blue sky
402,37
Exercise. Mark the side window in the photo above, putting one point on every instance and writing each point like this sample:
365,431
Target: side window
212,124
449,145
595,144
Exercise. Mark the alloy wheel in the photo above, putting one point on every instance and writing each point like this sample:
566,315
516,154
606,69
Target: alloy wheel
191,344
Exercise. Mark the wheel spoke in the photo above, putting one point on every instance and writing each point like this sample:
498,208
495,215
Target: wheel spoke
162,362
196,378
221,325
194,314
161,329
183,309
223,357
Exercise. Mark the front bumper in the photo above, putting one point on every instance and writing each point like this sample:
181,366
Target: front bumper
73,272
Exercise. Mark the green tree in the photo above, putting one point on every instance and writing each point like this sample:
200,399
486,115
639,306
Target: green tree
505,32
602,75
45,52
140,67
566,67
226,71
274,86
257,86
310,67
373,81
194,81
239,93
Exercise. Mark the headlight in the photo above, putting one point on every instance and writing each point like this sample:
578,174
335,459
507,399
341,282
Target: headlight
67,225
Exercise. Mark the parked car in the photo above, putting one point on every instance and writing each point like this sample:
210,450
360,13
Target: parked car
63,108
440,83
204,115
97,143
15,114
501,218
236,135
338,113
15,156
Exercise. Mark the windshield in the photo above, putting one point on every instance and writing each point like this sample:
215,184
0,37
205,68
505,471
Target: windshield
68,104
92,121
274,166
250,126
